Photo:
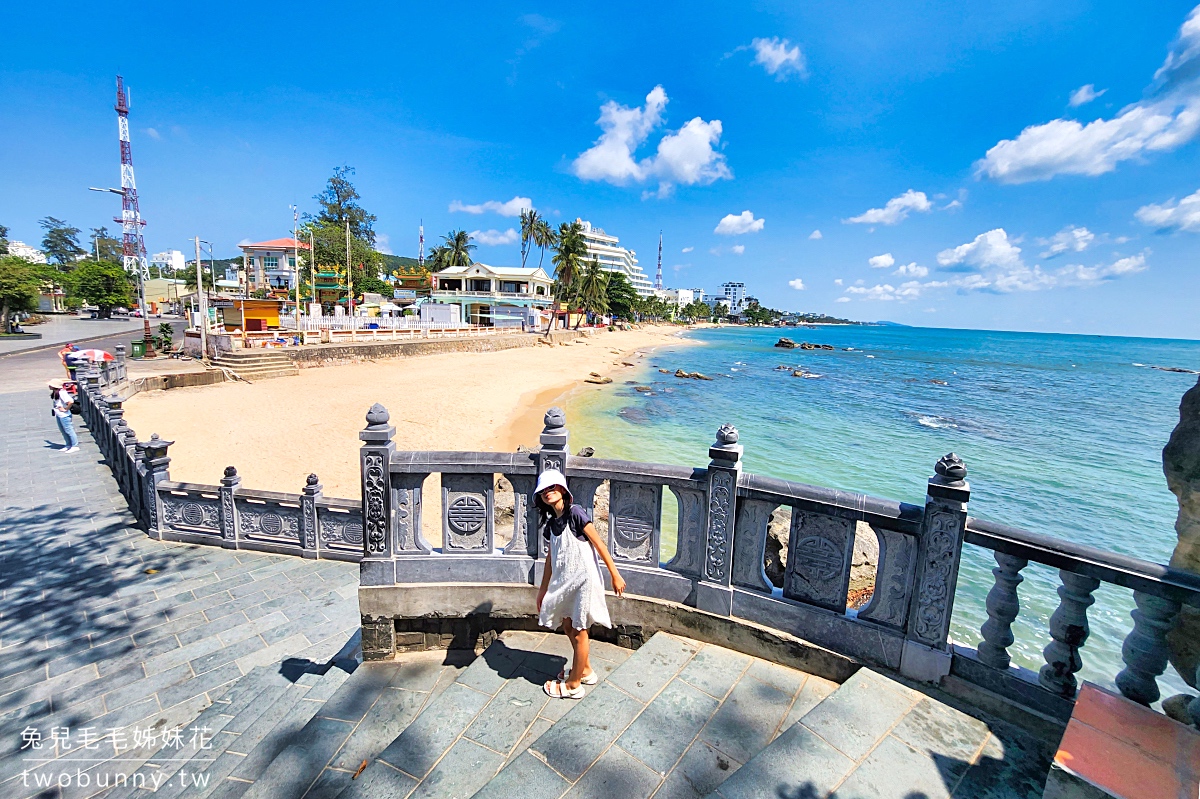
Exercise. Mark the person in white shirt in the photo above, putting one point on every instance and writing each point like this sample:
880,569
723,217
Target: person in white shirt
62,414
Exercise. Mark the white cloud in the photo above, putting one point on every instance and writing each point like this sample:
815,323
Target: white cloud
797,284
881,261
245,241
688,249
1184,215
993,263
842,299
1076,275
816,234
383,243
778,58
1069,239
513,207
896,210
154,134
1168,117
687,156
737,249
837,282
886,292
912,270
1084,95
731,225
492,238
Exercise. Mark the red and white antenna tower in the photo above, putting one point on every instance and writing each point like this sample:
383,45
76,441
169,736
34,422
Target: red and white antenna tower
658,278
133,248
421,245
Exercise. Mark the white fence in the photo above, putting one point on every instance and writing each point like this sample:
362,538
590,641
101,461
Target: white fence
385,328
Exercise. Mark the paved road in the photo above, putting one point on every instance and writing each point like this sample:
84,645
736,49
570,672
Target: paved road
27,371
61,329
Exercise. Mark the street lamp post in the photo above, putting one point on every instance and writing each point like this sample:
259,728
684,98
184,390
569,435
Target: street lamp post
201,304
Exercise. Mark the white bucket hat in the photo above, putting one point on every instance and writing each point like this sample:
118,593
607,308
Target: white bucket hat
551,477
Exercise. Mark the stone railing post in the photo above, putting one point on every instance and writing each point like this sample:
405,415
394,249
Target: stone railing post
926,655
552,455
121,373
714,593
118,462
309,534
133,459
378,500
1069,629
231,525
156,461
1002,609
1145,649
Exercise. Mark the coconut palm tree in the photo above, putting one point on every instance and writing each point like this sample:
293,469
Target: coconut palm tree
593,289
458,243
439,258
530,221
569,249
543,236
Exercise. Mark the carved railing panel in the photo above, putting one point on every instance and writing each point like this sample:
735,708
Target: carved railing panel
634,522
408,538
525,516
750,545
819,552
267,520
467,513
693,521
893,578
191,511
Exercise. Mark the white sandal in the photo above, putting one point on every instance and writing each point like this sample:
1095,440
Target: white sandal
590,679
558,689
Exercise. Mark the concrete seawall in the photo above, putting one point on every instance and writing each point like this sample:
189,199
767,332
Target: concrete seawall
328,354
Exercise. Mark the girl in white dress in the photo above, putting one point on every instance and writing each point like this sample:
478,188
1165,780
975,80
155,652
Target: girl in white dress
571,593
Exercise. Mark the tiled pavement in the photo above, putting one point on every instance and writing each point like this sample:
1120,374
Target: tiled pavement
103,628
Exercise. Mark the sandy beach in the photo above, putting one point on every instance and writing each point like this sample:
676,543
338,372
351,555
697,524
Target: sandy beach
277,432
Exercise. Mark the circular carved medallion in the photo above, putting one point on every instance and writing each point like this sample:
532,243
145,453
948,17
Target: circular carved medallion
467,515
192,514
819,557
271,524
353,532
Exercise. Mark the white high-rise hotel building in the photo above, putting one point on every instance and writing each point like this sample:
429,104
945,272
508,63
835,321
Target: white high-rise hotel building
614,258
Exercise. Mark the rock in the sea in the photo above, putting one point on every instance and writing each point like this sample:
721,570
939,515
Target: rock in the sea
642,389
627,363
598,380
595,374
786,343
680,373
939,382
586,452
798,373
665,371
698,376
1181,465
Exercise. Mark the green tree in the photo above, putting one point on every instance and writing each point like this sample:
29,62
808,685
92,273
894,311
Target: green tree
106,247
3,240
329,241
593,289
531,222
720,310
20,286
696,309
569,250
61,242
622,297
458,246
190,276
542,236
101,283
339,204
439,258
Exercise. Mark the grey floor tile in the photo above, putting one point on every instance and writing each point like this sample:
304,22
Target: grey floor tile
660,659
895,771
698,773
506,718
811,693
714,670
747,719
668,725
782,678
464,770
379,781
616,773
435,730
799,765
854,717
933,728
391,714
527,778
574,742
534,732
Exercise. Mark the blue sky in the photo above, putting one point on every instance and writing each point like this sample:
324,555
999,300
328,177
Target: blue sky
955,144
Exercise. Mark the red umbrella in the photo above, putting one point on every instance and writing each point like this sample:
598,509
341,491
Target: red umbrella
95,355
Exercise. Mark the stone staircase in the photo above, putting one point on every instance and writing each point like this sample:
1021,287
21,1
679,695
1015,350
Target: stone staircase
257,364
676,719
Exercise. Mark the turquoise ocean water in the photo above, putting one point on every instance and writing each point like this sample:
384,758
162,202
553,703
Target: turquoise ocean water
1061,434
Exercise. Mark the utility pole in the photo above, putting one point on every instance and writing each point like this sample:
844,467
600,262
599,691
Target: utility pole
296,268
203,306
312,274
350,285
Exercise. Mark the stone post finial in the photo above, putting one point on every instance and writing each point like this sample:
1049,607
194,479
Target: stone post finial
156,447
378,415
554,419
554,436
230,478
951,469
726,450
378,430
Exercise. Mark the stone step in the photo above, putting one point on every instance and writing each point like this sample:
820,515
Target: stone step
874,738
675,718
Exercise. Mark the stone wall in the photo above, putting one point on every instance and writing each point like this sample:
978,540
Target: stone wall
324,354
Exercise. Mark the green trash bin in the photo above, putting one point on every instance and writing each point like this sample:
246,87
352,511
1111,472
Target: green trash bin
138,349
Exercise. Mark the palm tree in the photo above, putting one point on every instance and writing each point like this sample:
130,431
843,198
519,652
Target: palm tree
542,236
458,243
569,248
593,289
439,258
531,220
